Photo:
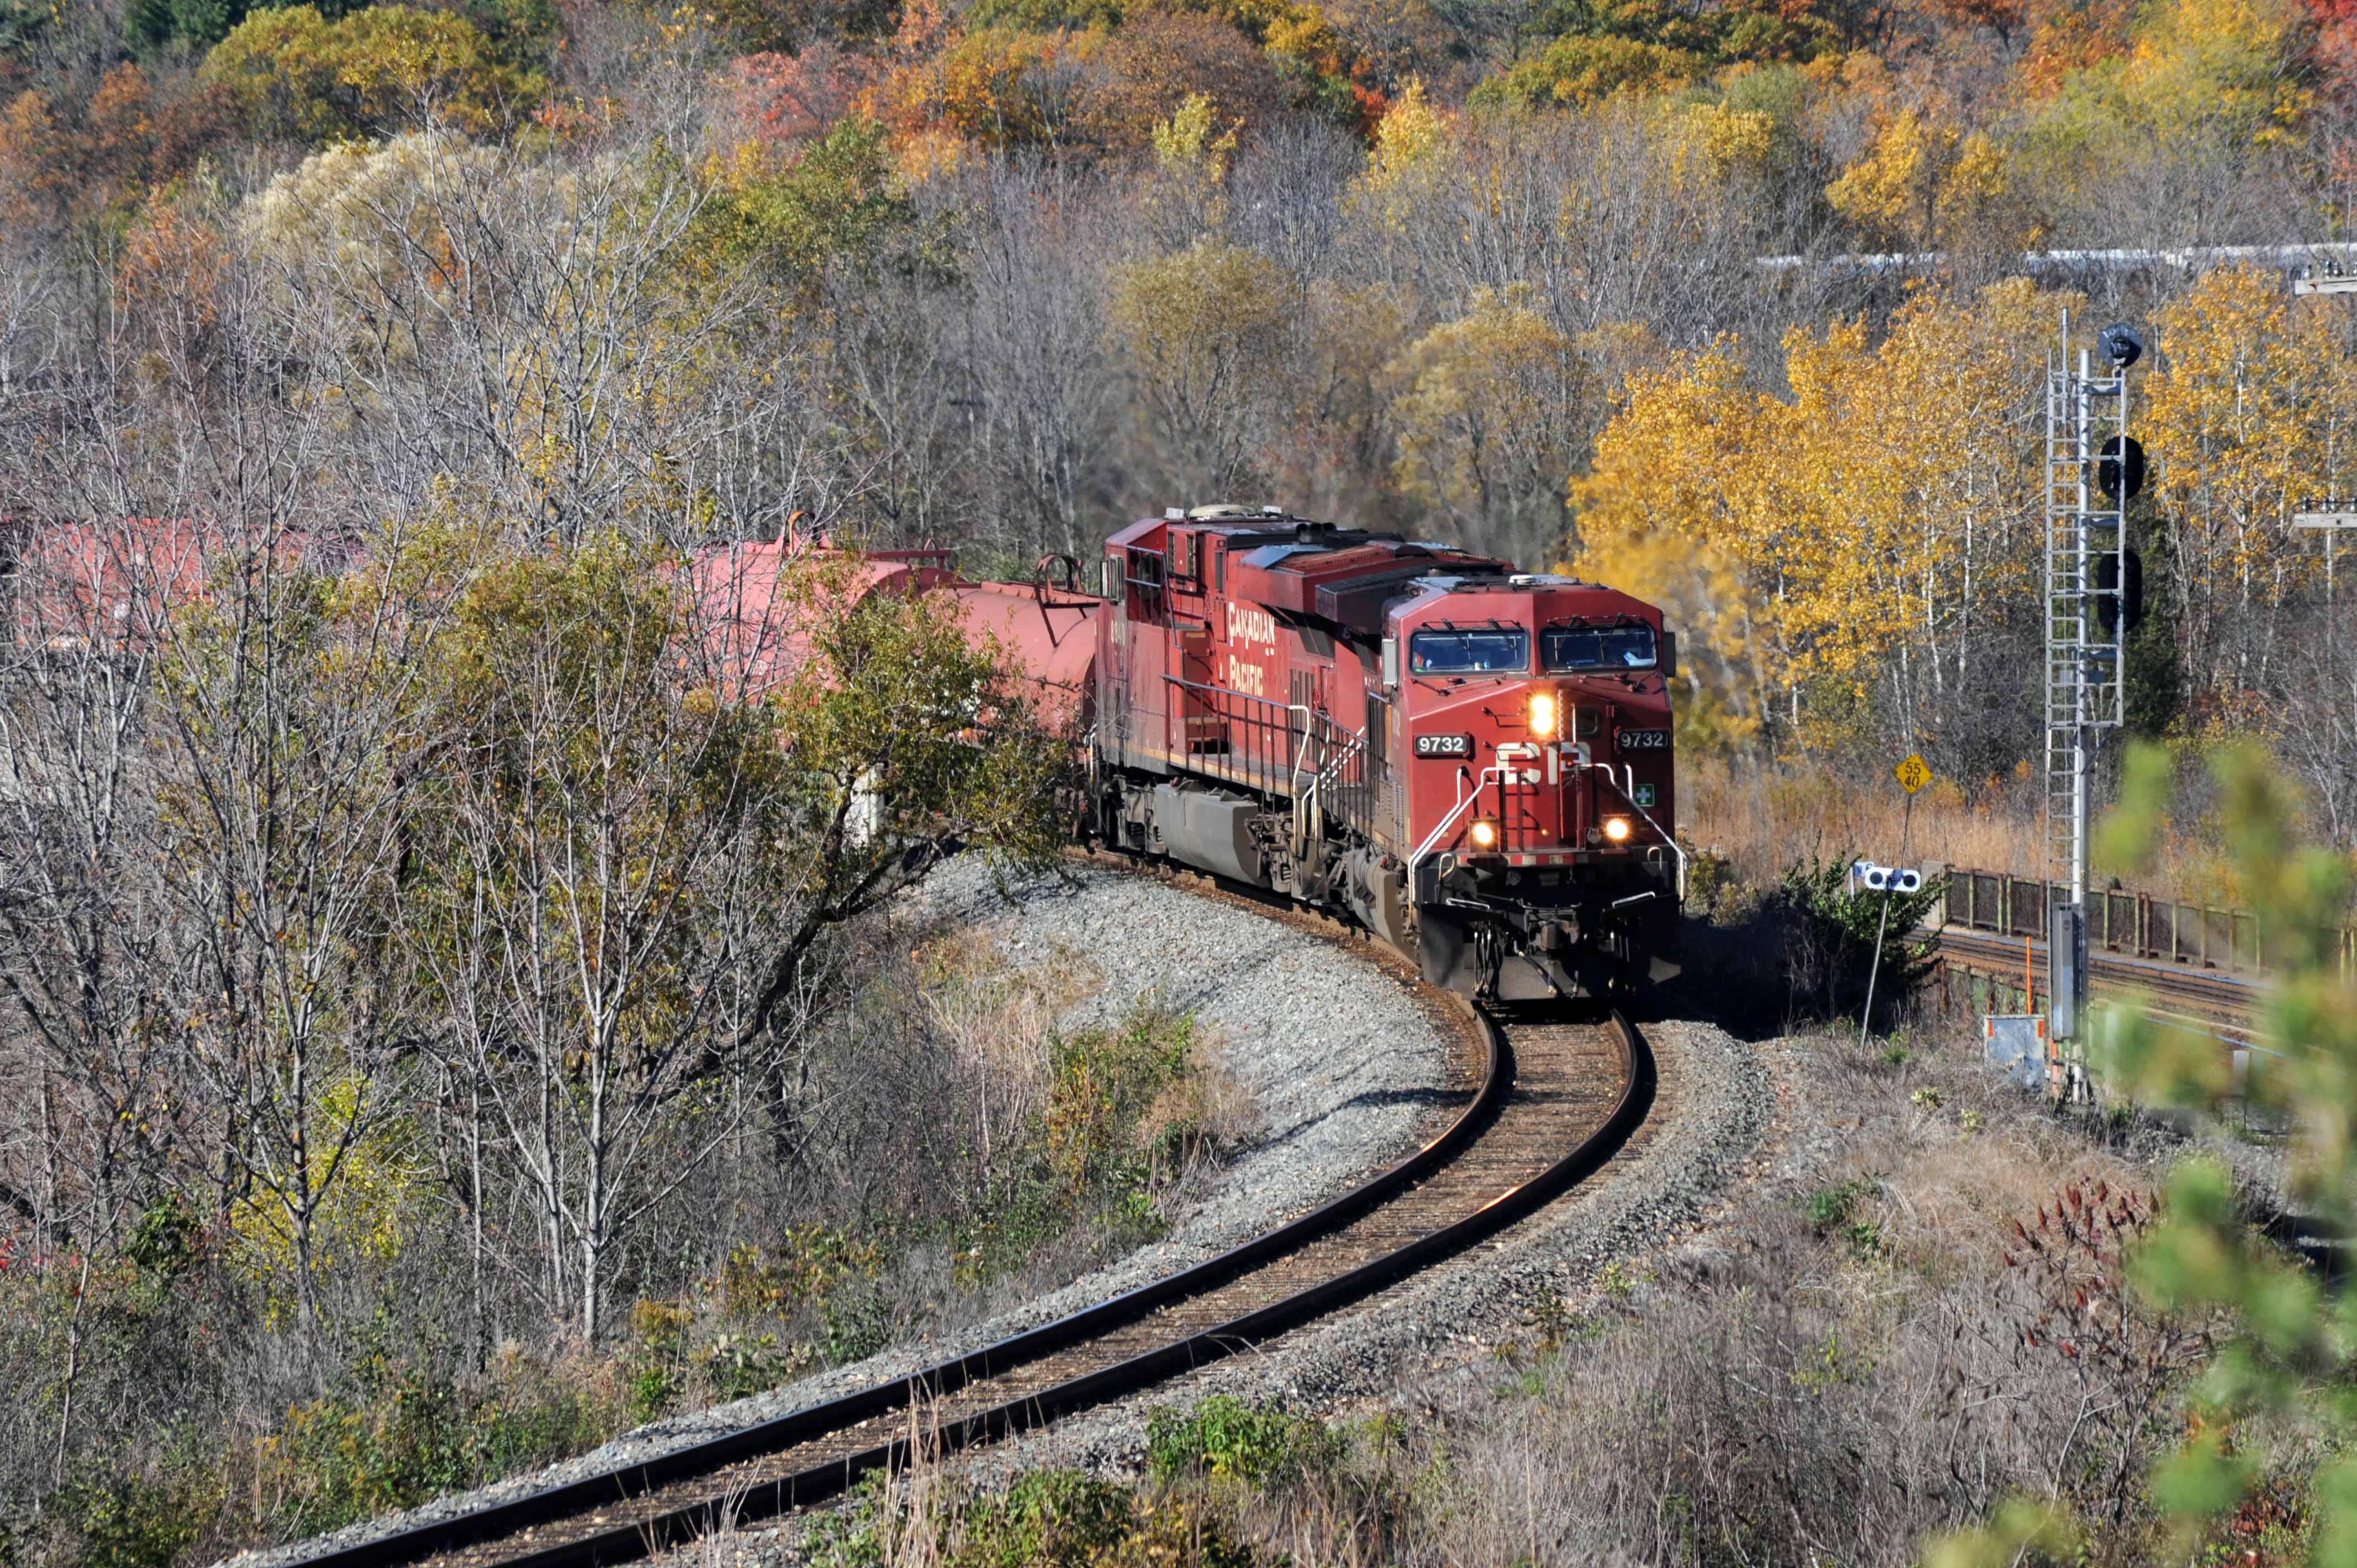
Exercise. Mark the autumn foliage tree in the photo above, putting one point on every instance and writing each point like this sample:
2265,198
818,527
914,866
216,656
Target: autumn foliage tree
1204,331
1864,538
2248,420
290,72
1489,413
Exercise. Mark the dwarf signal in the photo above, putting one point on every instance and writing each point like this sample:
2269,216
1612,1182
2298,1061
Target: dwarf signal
1875,878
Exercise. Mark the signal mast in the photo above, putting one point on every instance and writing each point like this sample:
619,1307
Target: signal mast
2093,468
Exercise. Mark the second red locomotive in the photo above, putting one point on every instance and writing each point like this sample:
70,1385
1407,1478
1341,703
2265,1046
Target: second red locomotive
1474,762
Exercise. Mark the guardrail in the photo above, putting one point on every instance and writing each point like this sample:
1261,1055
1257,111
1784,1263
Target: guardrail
2134,925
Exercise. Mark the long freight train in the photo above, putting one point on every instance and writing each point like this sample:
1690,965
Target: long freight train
1472,762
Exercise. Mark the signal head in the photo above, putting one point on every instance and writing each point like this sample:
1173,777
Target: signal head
2121,344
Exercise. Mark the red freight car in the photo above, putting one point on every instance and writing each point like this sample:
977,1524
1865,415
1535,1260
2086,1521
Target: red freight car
1473,761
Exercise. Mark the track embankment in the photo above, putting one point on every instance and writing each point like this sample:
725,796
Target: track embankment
1348,1064
1556,1099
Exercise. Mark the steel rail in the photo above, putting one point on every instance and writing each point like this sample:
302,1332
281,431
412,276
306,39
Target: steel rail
624,1541
546,1506
582,1502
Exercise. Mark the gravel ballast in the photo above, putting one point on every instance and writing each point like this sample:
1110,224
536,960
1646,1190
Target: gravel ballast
1347,1067
1713,1103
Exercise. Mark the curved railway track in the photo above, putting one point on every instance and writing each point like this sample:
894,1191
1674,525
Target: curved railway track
2170,990
1557,1097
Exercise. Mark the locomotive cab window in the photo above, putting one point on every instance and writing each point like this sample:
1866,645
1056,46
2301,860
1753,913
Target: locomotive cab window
1485,651
1563,647
1145,583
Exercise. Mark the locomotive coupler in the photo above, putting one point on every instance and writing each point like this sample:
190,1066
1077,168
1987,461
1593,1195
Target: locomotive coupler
1558,936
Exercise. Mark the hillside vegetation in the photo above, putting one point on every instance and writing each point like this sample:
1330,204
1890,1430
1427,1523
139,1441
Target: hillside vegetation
433,1011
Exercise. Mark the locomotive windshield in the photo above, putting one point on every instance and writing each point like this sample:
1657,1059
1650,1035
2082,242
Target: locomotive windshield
1597,648
1486,651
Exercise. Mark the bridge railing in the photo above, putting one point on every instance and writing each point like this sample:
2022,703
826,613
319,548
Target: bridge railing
2135,925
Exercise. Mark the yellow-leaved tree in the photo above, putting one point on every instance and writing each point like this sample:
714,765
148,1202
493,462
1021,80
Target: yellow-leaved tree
1875,528
1922,183
1411,154
1654,518
1489,415
291,72
1205,332
2249,413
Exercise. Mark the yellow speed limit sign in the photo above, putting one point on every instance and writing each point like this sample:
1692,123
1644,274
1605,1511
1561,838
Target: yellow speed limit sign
1914,773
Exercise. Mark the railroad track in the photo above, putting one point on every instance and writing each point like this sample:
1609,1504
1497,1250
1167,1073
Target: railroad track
1555,1097
2172,989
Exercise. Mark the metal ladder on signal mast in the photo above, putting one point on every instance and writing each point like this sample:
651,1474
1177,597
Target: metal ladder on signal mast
2086,425
2085,536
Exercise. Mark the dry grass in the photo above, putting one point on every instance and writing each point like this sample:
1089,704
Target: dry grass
997,1025
1762,817
1202,1114
1864,1353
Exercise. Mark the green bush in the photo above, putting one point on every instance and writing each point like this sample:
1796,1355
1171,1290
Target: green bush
1833,1213
856,1329
1830,936
1225,1437
1049,1519
130,1522
350,1456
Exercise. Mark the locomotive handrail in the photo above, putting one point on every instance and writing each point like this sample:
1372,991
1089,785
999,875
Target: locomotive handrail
1449,820
1629,794
1310,804
1254,765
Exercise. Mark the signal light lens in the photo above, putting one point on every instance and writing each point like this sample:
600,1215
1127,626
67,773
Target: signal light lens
1543,715
1617,828
1485,834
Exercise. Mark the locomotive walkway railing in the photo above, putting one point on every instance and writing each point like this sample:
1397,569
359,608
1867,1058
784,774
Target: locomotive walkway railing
2134,925
1278,748
1236,737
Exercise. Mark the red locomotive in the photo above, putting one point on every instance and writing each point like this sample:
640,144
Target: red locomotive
1473,761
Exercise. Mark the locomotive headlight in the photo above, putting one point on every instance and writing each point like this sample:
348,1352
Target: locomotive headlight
1485,833
1543,715
1617,828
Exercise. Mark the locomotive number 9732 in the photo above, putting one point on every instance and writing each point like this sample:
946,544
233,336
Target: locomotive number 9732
1443,746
